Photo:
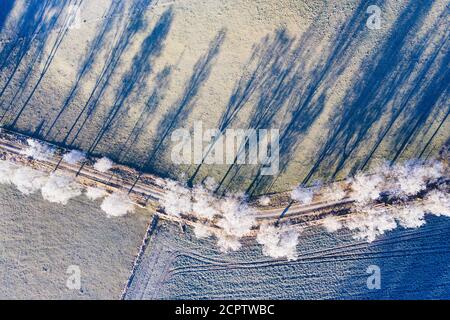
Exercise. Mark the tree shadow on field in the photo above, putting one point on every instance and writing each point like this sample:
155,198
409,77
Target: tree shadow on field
135,23
184,106
263,73
141,68
302,91
103,34
65,10
29,24
407,108
124,153
433,97
18,56
382,77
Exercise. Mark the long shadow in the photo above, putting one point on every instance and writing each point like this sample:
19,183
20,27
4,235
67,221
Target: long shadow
183,107
35,26
427,145
5,106
407,98
302,91
272,88
368,98
289,141
141,68
102,35
436,90
135,23
5,8
67,20
159,91
261,71
29,25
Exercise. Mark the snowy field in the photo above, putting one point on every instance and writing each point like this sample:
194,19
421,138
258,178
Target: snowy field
40,240
413,265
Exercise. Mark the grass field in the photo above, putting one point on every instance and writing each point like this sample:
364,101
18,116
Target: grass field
345,97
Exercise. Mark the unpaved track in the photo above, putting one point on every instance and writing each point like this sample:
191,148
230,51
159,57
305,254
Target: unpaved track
150,189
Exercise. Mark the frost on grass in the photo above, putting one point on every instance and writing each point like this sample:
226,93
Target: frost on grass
331,224
104,164
95,193
38,150
302,195
278,242
74,157
117,204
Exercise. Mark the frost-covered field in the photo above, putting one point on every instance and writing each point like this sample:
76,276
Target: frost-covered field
40,240
413,265
116,78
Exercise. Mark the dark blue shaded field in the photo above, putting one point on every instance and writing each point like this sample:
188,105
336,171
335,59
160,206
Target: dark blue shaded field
414,264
